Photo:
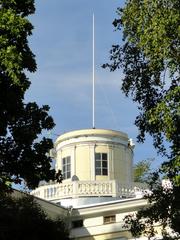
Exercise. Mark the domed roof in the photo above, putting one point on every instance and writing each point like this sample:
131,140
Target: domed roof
91,132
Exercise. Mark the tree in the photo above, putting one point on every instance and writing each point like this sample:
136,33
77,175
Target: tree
150,60
23,218
23,155
142,170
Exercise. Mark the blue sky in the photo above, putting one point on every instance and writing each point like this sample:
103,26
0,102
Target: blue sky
62,43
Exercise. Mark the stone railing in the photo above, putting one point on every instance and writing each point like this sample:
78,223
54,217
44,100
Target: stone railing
76,189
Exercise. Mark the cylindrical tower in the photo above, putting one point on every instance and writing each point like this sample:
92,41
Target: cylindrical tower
96,165
94,154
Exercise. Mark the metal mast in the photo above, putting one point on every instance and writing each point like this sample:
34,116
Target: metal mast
93,80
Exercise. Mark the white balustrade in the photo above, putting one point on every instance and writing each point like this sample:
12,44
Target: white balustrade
75,189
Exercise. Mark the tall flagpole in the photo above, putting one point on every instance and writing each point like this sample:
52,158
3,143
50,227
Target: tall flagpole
93,80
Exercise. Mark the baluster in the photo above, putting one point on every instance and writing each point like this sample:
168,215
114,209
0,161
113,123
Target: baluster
89,188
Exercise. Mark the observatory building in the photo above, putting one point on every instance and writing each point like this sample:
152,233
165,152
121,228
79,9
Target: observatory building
97,191
96,165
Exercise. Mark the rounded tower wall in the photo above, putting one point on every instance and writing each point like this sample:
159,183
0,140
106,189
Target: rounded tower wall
94,154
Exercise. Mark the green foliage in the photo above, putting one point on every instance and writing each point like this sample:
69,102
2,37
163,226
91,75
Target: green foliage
23,155
23,218
151,65
150,60
163,208
142,170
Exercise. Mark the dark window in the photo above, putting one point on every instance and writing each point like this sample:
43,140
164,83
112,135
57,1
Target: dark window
104,171
104,156
66,167
109,219
77,223
101,163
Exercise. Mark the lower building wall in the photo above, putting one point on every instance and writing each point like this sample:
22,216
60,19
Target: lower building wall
107,236
106,231
104,222
95,229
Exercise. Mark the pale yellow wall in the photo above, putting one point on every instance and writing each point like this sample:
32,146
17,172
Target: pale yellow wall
101,178
121,235
130,163
89,222
101,148
66,152
124,235
119,163
83,163
58,162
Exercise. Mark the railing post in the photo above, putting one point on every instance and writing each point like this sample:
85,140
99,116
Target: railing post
114,188
75,189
